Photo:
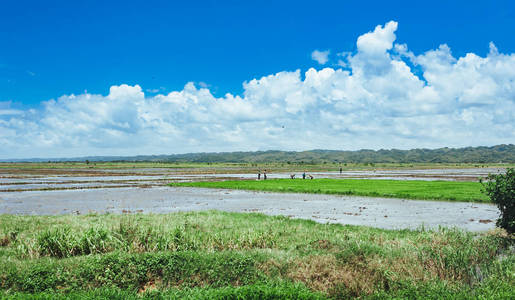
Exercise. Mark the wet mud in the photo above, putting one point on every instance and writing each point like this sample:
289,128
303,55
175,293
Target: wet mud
376,212
18,180
145,190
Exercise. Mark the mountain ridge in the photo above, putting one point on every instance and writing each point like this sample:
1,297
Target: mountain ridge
504,153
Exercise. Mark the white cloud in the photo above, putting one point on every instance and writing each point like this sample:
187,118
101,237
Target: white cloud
377,101
10,112
378,41
322,57
344,60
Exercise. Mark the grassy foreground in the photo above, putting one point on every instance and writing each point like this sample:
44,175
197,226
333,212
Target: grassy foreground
409,189
205,255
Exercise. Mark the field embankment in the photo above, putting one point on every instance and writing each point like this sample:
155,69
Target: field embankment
215,254
412,189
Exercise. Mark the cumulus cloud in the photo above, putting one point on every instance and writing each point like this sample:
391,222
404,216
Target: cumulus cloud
375,101
322,57
378,41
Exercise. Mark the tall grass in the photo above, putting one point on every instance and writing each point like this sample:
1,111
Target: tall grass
219,253
61,242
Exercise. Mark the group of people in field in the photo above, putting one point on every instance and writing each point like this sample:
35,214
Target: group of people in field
264,174
292,176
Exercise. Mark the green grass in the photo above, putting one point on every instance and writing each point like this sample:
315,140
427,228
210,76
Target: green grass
206,255
409,189
257,292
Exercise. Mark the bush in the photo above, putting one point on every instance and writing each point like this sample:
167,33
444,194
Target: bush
501,190
57,242
96,240
62,242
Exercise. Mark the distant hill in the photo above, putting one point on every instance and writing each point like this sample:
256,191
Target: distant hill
494,154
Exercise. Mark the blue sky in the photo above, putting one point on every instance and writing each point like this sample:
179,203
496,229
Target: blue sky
51,48
54,49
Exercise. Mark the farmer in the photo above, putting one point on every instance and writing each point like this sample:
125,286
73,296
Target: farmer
292,176
264,174
304,175
259,174
311,176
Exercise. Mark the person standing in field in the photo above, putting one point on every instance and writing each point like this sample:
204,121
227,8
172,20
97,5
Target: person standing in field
259,174
341,170
304,175
264,175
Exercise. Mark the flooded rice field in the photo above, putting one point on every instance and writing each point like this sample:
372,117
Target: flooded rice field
377,212
80,191
14,180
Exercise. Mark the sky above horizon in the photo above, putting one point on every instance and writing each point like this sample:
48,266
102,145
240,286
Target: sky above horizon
81,78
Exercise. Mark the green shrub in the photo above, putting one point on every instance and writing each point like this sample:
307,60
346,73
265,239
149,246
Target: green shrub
57,242
132,271
62,242
501,190
96,240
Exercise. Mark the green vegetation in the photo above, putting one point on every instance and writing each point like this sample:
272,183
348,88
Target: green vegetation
501,190
410,189
494,154
252,292
247,256
480,155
